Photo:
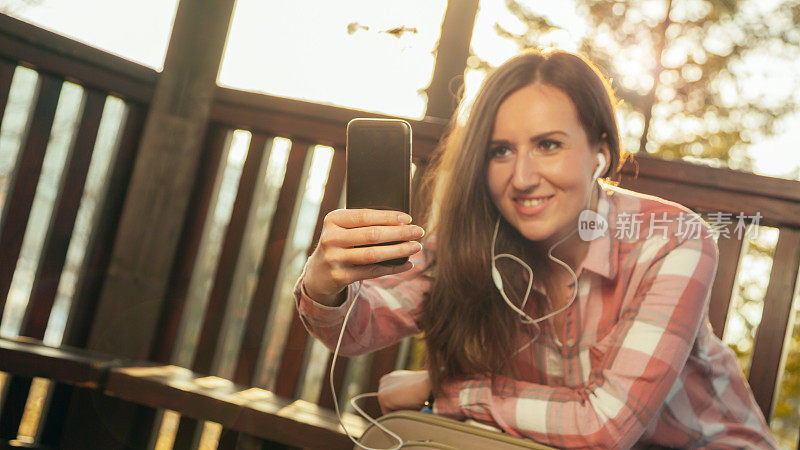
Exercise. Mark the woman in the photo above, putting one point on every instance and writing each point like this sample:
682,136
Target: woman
626,358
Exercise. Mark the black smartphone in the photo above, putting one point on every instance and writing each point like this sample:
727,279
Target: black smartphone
379,167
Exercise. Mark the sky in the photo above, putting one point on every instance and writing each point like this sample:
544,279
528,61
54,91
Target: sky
342,56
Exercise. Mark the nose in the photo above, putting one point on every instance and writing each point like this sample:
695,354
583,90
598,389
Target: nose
526,172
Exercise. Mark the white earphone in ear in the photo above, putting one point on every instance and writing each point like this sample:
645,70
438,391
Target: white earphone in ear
601,166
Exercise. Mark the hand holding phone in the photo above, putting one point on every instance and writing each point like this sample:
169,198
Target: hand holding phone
347,253
379,167
372,237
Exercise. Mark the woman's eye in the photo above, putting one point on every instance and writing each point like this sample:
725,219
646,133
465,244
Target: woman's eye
549,145
499,151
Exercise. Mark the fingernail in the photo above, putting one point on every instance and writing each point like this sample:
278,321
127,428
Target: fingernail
404,218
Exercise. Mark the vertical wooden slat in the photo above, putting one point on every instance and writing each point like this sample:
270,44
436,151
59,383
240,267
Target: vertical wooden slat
54,254
26,177
259,309
325,396
186,434
382,363
7,69
292,358
13,405
770,336
333,192
234,236
164,345
729,250
228,440
216,307
52,424
98,250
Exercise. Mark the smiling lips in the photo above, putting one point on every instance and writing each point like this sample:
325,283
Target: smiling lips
531,206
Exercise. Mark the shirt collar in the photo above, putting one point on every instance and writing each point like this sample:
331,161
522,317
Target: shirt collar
602,257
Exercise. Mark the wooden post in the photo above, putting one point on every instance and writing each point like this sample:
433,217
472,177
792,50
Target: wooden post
162,182
451,58
164,176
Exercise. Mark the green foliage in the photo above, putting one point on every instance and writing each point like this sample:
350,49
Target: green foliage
694,76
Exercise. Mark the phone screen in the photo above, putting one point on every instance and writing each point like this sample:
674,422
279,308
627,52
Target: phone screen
378,164
379,167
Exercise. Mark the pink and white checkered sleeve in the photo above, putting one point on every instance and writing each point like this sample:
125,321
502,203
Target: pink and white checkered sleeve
388,309
649,347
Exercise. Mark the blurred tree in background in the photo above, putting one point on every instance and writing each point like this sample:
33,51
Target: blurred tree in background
693,75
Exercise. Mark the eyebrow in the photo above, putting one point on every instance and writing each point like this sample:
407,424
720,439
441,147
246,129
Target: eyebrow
534,138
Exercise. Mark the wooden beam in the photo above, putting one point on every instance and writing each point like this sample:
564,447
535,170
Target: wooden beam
31,358
311,122
48,52
162,182
252,411
775,212
713,178
451,58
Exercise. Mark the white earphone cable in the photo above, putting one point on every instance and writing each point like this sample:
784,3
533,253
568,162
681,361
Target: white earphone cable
357,397
524,317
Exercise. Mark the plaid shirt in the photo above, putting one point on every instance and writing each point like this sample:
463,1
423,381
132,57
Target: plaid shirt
639,364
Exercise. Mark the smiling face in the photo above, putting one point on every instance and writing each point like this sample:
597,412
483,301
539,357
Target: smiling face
541,162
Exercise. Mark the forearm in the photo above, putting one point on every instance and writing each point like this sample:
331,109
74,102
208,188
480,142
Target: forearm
387,309
325,322
629,381
592,417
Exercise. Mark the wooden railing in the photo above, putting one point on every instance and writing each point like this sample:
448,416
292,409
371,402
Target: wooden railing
246,400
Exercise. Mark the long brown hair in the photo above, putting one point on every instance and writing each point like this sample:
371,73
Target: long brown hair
469,330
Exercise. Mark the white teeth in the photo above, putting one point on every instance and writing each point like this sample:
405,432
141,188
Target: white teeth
531,202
